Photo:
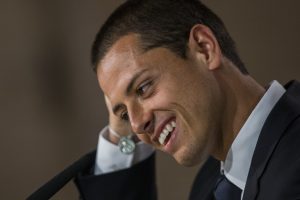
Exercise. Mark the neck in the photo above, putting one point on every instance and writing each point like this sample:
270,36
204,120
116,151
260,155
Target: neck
242,93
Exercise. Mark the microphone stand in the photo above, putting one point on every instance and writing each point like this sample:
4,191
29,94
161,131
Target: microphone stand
56,183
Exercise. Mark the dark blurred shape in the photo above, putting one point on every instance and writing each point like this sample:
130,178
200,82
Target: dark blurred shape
56,183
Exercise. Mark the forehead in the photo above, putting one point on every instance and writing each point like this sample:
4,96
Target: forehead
126,59
120,61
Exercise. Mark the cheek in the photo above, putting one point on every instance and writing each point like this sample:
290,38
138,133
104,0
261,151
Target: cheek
166,93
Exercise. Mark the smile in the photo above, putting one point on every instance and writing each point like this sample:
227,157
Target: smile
166,132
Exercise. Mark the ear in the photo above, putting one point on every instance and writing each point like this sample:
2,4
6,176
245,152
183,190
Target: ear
203,45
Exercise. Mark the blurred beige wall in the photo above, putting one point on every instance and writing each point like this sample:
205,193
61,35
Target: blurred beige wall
51,108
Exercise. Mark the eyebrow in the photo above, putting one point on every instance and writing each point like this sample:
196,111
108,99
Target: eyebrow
134,78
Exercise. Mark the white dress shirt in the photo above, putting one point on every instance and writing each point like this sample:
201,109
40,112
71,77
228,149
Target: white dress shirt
237,164
109,157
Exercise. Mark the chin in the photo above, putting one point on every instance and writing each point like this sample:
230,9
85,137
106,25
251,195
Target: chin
185,162
190,159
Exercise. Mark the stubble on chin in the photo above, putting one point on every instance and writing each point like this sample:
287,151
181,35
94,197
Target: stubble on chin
190,156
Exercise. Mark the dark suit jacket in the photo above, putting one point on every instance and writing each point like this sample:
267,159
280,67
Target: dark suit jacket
275,168
274,172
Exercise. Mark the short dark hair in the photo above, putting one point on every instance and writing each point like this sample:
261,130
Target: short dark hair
162,23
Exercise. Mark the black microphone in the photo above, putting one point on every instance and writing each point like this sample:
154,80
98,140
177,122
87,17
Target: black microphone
60,180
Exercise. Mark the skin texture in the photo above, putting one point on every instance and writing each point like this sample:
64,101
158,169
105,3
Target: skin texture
123,129
205,94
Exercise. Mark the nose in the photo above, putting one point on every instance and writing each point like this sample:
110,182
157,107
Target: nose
141,119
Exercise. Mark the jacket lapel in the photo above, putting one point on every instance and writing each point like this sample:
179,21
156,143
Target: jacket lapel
205,180
283,114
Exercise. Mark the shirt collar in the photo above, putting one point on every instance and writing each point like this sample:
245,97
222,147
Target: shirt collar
239,156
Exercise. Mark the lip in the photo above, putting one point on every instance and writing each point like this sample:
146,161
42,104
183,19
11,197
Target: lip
160,129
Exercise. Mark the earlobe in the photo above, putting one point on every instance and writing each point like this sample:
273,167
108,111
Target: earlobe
203,45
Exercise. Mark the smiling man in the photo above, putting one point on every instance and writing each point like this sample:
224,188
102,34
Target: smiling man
171,75
179,105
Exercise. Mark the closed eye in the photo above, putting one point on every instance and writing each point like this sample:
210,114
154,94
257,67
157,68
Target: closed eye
143,88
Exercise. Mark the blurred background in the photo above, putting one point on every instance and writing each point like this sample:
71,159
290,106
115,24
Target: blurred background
51,108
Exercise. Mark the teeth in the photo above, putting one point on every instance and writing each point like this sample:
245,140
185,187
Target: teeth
163,136
173,124
161,140
166,131
169,127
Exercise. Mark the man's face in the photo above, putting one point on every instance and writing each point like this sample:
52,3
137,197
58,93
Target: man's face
171,103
